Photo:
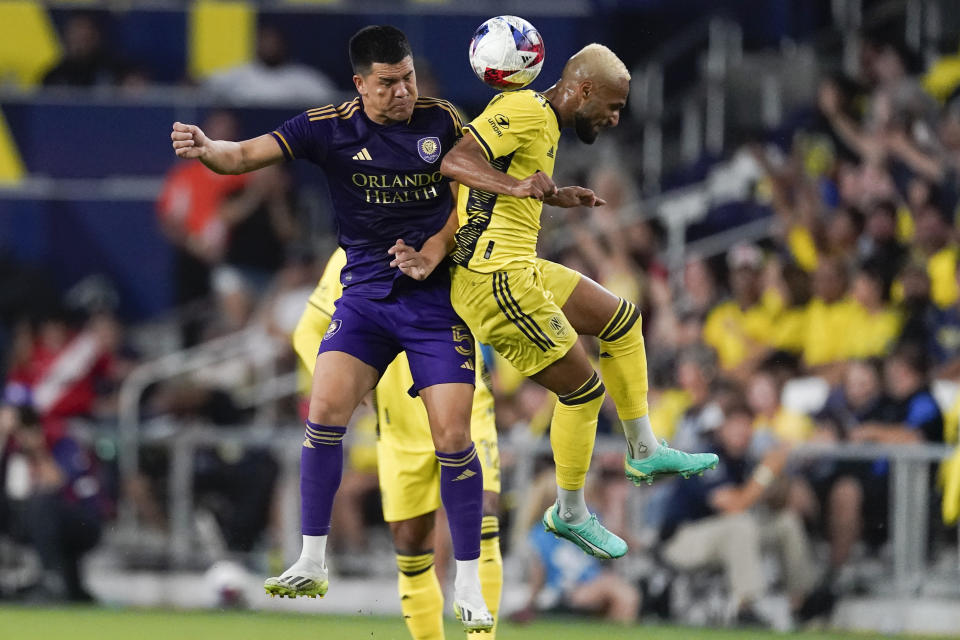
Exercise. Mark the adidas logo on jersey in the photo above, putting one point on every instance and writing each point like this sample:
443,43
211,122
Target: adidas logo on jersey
550,153
363,154
468,365
466,474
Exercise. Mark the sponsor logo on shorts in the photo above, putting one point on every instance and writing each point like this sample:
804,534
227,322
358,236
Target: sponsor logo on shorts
559,329
333,328
468,365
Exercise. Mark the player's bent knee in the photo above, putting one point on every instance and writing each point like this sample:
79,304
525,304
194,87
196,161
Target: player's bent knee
414,535
451,438
329,411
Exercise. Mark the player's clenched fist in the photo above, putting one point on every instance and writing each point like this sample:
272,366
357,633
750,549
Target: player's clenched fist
188,140
538,186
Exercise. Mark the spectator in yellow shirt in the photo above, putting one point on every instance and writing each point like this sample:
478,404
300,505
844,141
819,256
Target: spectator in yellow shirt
936,249
773,423
740,330
831,319
877,323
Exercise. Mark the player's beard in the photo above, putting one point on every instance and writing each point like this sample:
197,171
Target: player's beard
585,130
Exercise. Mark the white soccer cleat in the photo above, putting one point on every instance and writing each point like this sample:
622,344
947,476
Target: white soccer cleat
304,579
473,618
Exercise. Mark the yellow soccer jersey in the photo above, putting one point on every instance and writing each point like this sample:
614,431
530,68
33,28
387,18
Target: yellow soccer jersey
518,132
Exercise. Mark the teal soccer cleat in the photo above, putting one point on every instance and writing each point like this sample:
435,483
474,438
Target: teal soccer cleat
667,462
590,536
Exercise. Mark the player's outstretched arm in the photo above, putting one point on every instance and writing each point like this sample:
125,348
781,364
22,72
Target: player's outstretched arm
224,156
467,164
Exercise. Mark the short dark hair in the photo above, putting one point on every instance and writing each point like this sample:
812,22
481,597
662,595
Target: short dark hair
377,43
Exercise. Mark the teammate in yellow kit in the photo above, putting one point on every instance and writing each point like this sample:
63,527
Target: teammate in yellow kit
409,472
531,310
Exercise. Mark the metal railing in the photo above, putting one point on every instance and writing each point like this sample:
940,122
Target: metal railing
250,345
908,516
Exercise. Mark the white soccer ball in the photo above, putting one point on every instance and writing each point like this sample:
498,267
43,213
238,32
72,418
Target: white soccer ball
506,53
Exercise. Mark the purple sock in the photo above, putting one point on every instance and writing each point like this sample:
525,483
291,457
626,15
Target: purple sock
321,465
461,491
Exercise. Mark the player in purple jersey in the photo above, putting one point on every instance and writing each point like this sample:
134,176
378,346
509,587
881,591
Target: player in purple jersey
381,154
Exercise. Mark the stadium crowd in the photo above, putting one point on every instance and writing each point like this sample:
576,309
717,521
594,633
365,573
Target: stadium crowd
857,287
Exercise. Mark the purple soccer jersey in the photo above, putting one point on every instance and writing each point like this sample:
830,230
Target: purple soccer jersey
385,181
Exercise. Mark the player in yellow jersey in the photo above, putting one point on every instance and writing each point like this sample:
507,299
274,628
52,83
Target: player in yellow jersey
410,473
531,310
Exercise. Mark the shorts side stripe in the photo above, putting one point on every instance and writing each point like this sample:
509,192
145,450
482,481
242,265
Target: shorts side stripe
507,310
509,314
516,306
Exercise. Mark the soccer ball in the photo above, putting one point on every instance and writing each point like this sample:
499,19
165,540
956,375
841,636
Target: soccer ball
506,53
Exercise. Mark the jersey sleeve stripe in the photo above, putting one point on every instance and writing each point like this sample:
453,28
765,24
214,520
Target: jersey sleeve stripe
287,151
344,115
318,110
479,138
426,103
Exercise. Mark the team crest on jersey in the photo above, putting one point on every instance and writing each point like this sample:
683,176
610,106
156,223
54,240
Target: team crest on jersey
333,328
429,148
559,329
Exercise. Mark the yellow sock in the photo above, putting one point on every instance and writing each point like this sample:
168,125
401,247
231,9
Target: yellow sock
491,570
573,431
623,362
421,599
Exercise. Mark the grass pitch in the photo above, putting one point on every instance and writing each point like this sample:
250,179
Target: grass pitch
89,623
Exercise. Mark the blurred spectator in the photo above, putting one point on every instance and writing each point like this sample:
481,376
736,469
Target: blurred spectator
189,211
774,424
831,318
788,295
880,245
712,521
854,498
63,369
858,499
942,338
740,329
56,504
272,77
25,292
934,246
563,578
259,224
877,323
688,415
86,63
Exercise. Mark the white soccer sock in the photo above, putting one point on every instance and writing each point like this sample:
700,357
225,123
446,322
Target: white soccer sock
641,442
466,584
315,549
572,508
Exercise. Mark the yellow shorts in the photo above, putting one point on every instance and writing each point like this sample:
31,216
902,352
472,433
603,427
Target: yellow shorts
517,311
408,468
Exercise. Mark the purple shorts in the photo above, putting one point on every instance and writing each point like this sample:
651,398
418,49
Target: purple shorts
417,319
